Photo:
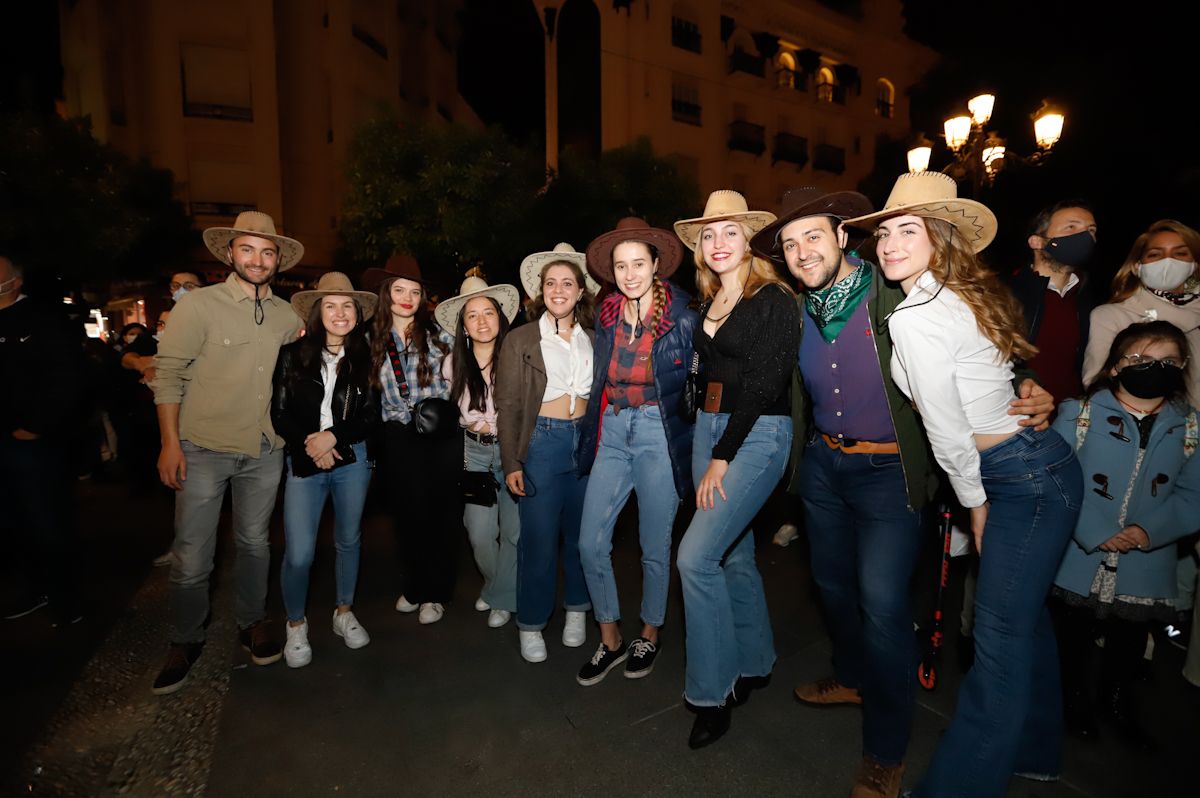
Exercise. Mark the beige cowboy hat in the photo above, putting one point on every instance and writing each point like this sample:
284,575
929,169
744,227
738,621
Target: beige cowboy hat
252,223
800,203
447,312
333,284
723,204
531,268
934,195
631,228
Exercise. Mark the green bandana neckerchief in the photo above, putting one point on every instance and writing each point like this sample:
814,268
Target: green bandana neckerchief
832,307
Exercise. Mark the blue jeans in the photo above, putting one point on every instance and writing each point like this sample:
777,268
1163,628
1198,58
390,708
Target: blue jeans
550,512
303,500
725,609
1009,713
255,482
632,455
493,531
865,542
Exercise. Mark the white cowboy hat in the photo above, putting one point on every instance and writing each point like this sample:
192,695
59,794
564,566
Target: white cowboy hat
447,311
252,223
531,268
333,284
934,195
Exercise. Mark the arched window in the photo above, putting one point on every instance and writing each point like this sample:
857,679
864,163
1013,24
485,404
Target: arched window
885,99
825,84
785,70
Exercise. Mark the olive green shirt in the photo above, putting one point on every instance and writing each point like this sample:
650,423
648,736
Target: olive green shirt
216,364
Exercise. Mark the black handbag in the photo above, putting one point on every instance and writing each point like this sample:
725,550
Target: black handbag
434,417
479,487
693,392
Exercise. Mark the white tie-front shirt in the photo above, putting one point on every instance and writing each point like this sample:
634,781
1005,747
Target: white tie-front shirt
568,364
955,376
329,366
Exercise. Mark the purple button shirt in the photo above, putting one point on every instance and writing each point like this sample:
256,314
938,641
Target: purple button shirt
844,380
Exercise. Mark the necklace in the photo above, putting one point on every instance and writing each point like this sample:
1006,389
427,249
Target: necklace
1133,409
741,294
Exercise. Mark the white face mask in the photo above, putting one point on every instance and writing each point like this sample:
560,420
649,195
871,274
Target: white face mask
1165,274
8,286
179,292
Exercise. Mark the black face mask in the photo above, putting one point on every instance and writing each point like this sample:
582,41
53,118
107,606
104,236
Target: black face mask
1152,380
1073,250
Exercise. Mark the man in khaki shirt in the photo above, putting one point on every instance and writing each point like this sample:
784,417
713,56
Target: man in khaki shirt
213,391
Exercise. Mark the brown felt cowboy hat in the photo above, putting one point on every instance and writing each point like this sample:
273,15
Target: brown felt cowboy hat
252,223
401,266
631,228
935,195
531,268
507,296
800,203
722,205
333,284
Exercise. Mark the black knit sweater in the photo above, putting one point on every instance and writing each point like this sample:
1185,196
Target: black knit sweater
752,356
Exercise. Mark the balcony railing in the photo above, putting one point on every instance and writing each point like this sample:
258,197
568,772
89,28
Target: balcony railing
828,158
884,109
686,112
685,35
213,111
831,93
747,137
790,148
742,61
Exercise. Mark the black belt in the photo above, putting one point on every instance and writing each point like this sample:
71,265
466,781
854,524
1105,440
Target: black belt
486,438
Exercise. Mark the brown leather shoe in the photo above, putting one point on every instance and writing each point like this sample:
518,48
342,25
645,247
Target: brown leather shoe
825,692
876,780
264,648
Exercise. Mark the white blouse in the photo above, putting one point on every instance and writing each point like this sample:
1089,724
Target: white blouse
329,364
568,364
954,375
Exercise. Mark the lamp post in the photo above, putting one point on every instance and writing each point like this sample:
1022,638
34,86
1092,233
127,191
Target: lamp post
979,154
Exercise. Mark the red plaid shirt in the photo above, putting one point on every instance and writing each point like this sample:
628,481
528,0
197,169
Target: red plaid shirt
630,371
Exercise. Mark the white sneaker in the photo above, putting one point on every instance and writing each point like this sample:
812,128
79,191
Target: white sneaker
481,605
497,618
347,627
297,652
574,631
786,534
431,613
533,647
403,605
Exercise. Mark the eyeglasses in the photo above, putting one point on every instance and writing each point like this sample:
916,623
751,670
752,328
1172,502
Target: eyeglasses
1135,360
190,286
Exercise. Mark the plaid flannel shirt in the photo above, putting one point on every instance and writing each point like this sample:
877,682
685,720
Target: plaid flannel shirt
399,408
631,371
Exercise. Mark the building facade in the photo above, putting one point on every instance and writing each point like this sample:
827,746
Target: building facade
755,95
253,103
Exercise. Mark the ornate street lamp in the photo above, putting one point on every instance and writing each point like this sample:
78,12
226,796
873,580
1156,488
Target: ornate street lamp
979,154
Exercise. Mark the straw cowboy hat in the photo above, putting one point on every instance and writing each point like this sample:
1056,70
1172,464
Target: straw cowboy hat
531,268
799,203
333,284
507,295
631,228
935,195
402,266
252,223
722,205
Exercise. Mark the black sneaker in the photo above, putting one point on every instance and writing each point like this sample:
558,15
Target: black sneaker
263,647
603,661
180,659
641,658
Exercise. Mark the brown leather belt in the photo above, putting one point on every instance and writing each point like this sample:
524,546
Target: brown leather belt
851,446
486,438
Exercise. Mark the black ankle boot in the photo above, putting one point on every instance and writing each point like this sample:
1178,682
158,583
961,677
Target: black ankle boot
711,723
743,686
1120,709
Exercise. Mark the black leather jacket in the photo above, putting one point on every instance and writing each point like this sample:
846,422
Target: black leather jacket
296,407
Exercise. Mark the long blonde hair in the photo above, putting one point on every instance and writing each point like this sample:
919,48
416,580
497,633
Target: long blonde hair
997,312
1126,282
761,273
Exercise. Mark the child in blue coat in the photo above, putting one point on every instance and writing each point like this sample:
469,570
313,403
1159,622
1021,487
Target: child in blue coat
1135,435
